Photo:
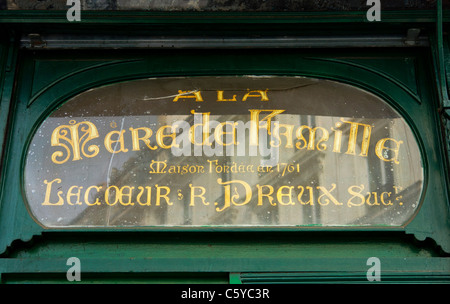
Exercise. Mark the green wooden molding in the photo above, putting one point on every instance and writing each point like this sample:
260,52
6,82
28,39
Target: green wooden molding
244,270
429,266
411,91
103,251
143,17
59,90
91,66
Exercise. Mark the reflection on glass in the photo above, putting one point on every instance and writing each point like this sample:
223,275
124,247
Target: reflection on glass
224,151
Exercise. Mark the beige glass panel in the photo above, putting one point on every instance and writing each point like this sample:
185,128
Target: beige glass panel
242,151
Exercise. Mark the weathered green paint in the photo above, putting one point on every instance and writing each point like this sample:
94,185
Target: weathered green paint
142,17
34,82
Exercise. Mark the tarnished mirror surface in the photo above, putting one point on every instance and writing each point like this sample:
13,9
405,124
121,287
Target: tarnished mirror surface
244,151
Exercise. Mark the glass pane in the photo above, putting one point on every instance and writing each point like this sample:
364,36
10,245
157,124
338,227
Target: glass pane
224,151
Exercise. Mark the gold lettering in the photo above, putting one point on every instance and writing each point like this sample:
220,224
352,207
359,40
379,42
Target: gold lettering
159,195
254,124
389,203
173,169
232,199
211,164
160,137
149,192
268,195
188,94
70,134
76,194
204,129
48,192
327,193
289,130
311,143
280,195
135,138
256,93
86,196
201,195
116,195
120,140
219,133
220,97
311,195
337,138
356,194
380,147
121,195
264,169
352,138
375,195
158,166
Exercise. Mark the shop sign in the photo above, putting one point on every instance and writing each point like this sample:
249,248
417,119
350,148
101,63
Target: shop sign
247,151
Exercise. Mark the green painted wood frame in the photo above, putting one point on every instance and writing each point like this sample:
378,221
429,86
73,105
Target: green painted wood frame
29,248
